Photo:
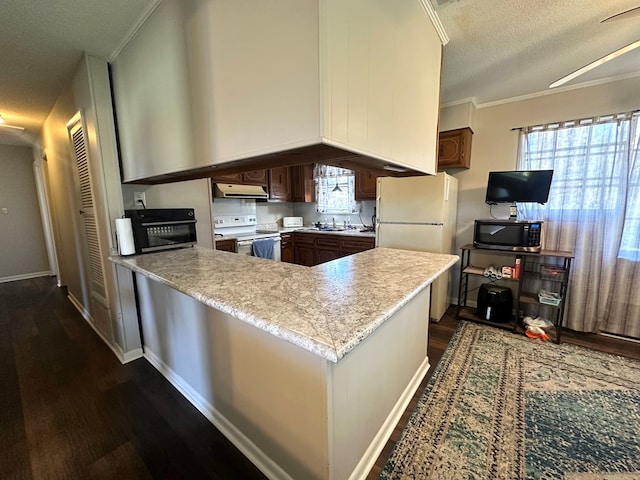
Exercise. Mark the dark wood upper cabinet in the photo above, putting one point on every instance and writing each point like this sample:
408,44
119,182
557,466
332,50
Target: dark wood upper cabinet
303,188
279,185
253,177
365,185
454,148
229,178
256,177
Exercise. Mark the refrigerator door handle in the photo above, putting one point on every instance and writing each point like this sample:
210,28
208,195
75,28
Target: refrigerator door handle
407,223
446,188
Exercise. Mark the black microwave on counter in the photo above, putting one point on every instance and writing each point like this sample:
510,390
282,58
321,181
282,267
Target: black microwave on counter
512,235
156,229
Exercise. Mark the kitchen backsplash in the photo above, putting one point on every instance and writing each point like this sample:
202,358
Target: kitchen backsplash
267,212
308,212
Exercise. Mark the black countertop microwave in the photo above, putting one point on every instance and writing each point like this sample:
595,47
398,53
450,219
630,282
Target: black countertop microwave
156,229
512,235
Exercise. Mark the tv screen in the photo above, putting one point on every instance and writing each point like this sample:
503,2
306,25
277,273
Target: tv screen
519,186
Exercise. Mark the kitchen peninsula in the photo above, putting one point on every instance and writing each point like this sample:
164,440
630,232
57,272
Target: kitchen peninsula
305,370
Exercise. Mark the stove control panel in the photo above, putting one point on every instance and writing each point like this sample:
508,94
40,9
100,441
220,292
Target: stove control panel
224,221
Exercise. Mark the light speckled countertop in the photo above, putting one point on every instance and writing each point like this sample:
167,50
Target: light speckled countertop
327,309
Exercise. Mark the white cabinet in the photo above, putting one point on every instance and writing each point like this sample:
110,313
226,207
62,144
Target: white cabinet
254,71
209,82
152,97
380,65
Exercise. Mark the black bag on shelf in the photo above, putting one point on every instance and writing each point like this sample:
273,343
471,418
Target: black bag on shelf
494,303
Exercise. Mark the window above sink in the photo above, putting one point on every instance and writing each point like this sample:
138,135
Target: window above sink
335,190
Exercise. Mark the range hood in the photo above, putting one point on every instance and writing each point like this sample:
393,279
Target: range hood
227,190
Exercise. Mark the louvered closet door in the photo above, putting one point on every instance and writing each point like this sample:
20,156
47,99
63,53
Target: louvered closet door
93,254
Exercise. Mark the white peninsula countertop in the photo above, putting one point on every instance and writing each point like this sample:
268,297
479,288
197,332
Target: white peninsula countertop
327,309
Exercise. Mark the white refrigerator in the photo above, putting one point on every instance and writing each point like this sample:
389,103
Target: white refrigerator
419,213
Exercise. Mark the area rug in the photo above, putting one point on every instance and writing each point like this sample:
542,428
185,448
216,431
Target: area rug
503,406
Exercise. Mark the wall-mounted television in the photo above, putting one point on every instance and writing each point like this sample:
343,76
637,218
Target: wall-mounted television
530,186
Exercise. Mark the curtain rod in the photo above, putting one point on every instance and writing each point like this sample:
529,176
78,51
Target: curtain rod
631,112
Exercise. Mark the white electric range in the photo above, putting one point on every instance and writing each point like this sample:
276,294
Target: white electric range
245,229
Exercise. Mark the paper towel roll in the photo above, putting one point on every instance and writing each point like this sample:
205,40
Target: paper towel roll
124,235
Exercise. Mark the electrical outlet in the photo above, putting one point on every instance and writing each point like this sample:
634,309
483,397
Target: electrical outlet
139,200
5,211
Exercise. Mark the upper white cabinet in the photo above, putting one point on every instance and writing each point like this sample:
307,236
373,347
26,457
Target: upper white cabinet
255,75
205,82
152,96
380,65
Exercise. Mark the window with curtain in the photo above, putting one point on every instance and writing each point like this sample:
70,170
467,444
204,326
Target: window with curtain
594,211
335,189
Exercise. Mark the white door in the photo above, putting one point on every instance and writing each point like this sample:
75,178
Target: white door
91,245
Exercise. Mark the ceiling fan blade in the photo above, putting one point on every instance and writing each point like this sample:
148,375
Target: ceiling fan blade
597,63
622,15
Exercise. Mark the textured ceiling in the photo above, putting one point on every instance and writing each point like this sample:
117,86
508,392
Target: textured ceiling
501,49
498,49
42,43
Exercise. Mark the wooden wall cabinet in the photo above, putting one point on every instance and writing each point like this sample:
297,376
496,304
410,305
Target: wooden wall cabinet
454,148
256,177
303,188
366,184
279,185
253,177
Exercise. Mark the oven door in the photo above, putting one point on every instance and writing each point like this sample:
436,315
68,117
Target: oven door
244,248
163,235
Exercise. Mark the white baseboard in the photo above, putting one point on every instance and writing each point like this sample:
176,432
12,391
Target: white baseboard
372,453
124,357
26,276
250,450
84,312
132,355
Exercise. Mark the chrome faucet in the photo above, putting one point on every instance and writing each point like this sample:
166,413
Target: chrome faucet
334,222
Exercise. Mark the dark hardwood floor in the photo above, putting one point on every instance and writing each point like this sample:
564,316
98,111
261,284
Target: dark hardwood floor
69,409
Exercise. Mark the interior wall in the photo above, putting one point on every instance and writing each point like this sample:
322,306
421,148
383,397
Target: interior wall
88,92
22,244
194,194
495,144
54,140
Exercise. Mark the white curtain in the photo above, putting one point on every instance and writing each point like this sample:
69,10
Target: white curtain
335,189
594,211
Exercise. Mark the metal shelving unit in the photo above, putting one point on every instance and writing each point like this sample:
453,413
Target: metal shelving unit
547,270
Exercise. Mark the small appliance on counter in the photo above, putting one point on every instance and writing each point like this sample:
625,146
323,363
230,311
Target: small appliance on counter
156,229
292,222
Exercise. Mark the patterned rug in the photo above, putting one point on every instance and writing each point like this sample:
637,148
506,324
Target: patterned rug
502,406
